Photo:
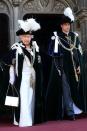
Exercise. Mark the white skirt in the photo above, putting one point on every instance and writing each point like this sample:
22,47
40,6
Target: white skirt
27,95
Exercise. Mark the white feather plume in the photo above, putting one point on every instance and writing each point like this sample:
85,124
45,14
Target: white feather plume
29,25
34,26
23,25
68,12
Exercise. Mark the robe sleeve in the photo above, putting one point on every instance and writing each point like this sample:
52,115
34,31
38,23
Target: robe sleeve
5,64
77,53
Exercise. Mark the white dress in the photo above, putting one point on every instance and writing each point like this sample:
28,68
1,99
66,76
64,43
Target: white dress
27,94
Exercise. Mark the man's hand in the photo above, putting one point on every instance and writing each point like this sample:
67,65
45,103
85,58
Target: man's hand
78,70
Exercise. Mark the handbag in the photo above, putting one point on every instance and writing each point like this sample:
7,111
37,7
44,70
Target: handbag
13,98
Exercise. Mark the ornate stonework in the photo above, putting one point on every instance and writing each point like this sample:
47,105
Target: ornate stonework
28,6
38,6
58,7
43,6
44,3
16,2
82,15
3,7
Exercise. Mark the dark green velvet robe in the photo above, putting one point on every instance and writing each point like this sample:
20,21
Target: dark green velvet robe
62,61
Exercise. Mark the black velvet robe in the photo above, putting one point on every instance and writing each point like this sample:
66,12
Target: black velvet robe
7,61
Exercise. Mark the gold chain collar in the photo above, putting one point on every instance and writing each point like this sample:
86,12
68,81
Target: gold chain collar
72,46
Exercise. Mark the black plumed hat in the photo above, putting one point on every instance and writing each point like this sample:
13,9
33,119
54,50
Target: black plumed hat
22,32
65,19
27,27
67,16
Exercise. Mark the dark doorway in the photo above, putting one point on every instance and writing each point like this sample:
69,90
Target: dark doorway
4,47
4,34
49,23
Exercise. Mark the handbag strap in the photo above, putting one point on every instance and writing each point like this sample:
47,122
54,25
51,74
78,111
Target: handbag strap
12,86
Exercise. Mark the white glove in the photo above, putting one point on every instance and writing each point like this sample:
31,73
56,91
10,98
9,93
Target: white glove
11,75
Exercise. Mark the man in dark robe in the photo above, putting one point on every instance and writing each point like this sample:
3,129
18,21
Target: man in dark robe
63,92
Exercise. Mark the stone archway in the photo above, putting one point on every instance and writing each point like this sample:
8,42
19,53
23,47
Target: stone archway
46,6
7,9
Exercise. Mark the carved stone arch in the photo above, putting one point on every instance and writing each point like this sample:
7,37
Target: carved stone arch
44,6
35,6
4,7
59,5
70,3
40,6
7,8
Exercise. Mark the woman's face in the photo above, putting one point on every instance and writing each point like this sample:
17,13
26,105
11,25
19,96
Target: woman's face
26,39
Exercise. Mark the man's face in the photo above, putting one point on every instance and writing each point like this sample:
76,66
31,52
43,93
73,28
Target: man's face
26,39
65,27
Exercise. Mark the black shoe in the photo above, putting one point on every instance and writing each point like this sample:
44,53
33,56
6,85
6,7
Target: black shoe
71,117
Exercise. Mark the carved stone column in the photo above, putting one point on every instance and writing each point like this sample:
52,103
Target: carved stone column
16,15
82,16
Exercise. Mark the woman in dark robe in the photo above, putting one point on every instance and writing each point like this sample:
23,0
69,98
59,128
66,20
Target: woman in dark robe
25,74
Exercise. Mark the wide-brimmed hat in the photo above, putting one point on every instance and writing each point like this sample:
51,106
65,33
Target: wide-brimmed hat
27,26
